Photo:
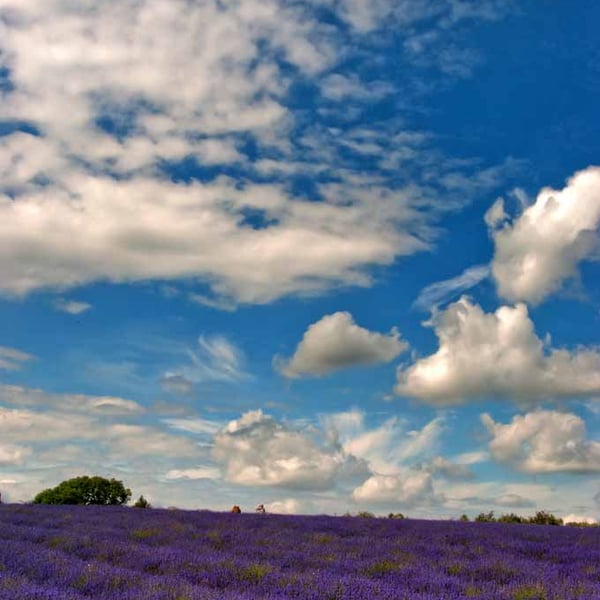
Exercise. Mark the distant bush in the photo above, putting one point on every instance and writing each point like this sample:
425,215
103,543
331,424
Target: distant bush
464,518
141,502
542,517
86,490
485,517
396,516
512,518
365,514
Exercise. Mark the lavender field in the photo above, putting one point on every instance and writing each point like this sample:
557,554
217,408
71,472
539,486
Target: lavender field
116,553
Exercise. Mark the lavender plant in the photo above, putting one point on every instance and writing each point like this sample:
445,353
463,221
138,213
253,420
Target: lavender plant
110,553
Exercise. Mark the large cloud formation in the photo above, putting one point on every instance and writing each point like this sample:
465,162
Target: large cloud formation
544,442
257,450
109,106
407,490
537,252
336,342
496,354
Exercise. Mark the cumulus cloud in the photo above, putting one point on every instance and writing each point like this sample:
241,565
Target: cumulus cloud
288,506
513,501
12,359
257,450
386,448
496,354
539,250
544,442
571,518
337,342
414,488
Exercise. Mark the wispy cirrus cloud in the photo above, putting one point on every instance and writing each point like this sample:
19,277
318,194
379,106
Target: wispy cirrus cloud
12,359
441,292
215,358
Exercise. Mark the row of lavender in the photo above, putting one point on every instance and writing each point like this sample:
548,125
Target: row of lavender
72,553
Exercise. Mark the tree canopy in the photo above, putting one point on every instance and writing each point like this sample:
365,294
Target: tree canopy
85,490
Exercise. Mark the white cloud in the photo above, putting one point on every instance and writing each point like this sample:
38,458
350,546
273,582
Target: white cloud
12,359
580,519
74,403
215,359
89,197
414,488
193,230
544,442
495,215
496,354
11,454
182,80
195,473
194,425
387,448
441,291
177,384
289,506
449,469
71,307
542,248
337,342
257,450
513,501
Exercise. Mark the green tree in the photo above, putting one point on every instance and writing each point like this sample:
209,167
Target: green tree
512,518
485,517
464,518
85,490
542,517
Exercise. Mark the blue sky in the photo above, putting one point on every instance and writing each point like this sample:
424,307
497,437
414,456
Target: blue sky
325,255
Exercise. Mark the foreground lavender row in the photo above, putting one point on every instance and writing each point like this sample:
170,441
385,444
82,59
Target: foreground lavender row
73,553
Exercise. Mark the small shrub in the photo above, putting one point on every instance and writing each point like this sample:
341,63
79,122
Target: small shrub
141,502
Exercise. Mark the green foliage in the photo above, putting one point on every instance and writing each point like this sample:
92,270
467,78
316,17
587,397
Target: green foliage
464,518
485,517
85,490
382,567
254,573
542,517
396,516
141,502
365,514
530,592
512,518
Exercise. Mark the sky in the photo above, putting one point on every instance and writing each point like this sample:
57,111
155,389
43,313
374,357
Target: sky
324,255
